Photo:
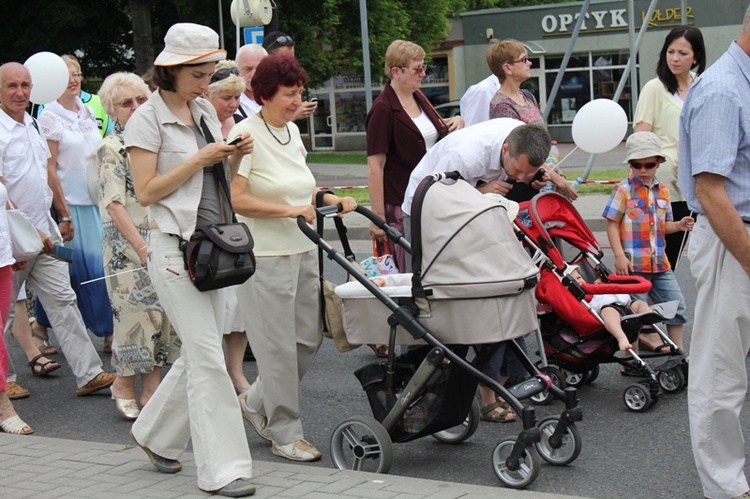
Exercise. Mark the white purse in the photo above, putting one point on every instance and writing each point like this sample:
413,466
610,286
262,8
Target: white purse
23,235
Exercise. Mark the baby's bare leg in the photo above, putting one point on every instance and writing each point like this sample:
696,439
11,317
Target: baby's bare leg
612,322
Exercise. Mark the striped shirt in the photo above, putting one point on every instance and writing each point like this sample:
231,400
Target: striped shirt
715,130
642,213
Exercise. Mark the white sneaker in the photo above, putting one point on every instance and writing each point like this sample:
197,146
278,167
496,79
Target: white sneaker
258,421
299,450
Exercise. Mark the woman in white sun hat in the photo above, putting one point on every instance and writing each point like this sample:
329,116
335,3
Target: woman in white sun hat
172,161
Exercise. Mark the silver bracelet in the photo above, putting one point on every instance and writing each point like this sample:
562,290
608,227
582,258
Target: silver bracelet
65,219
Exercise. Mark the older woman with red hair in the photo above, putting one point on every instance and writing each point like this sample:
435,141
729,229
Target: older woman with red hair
280,304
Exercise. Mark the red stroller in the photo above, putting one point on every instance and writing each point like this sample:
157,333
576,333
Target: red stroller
572,334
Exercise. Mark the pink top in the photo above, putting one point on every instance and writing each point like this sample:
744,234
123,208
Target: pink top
502,106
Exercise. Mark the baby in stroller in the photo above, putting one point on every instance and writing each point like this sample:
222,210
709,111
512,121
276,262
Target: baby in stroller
611,308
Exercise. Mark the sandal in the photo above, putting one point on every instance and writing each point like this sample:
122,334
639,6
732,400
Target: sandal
39,368
381,351
489,413
15,426
43,344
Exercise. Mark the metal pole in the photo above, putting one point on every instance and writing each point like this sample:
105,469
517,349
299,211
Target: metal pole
221,27
632,61
365,52
566,58
683,12
237,25
625,75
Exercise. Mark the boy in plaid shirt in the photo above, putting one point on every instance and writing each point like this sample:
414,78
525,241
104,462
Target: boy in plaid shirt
639,215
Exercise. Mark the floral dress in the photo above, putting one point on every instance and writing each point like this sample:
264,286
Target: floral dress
143,335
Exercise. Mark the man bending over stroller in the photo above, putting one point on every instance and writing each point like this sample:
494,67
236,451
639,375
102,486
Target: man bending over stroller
611,308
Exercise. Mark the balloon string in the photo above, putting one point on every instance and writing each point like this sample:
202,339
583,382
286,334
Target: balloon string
566,157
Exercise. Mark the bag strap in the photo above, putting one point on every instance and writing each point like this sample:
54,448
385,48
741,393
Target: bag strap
218,169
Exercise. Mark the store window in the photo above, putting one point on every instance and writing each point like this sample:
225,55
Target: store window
593,75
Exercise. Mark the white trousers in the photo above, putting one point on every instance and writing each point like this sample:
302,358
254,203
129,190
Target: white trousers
51,282
280,307
196,398
718,378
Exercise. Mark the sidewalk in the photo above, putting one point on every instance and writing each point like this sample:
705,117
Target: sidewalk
39,466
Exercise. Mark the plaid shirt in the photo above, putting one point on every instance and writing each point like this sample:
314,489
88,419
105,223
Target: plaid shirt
642,213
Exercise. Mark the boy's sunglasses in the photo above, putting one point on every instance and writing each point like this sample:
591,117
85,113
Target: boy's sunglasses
648,166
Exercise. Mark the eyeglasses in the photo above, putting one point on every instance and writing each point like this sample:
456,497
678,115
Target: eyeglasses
418,69
76,75
130,103
522,60
223,74
636,165
283,40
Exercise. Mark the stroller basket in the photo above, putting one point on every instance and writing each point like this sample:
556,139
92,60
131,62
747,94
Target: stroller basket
443,402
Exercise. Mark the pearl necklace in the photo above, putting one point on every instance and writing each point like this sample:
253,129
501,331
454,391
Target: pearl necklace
274,136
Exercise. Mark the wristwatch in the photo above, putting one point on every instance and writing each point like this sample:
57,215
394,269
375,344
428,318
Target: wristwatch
65,219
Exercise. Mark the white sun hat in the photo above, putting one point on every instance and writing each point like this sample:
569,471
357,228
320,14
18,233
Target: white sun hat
188,43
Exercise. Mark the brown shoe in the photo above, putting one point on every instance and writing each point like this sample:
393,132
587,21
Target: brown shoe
102,380
15,391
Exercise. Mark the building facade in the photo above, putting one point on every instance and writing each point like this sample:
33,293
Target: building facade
595,69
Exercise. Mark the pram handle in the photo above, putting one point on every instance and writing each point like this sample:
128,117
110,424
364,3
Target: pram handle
619,284
330,210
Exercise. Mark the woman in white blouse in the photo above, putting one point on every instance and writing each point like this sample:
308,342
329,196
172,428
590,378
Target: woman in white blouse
73,137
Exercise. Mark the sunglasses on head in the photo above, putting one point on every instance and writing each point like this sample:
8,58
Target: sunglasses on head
223,74
283,40
648,166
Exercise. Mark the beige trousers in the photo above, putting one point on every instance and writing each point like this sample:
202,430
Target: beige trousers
280,309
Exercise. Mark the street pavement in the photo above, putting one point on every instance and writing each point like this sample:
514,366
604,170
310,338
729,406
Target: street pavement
81,448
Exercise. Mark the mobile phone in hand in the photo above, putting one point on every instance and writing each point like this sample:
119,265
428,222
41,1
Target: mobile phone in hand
313,99
235,141
63,253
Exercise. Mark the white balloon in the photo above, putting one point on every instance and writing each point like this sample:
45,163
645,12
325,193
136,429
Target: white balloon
599,126
49,77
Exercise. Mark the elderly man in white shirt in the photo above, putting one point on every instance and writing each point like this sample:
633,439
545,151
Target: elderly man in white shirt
248,58
475,103
23,171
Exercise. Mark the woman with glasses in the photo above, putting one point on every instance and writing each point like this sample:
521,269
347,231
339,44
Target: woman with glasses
401,126
508,61
73,137
224,91
144,340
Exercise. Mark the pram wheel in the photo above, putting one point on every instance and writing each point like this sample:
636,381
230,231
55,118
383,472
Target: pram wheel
528,466
576,380
672,380
465,430
361,443
558,379
563,452
593,374
637,397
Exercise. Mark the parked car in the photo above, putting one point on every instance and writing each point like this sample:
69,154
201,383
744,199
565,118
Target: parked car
449,109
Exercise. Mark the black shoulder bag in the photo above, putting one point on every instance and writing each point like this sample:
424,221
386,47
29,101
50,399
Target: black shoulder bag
219,255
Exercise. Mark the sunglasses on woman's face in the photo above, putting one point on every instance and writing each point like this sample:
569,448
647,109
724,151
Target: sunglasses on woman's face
223,74
637,165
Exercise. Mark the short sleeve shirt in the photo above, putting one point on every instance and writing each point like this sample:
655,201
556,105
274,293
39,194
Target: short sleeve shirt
642,213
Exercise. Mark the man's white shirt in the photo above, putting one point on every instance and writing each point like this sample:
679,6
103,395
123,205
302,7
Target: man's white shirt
23,167
472,151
